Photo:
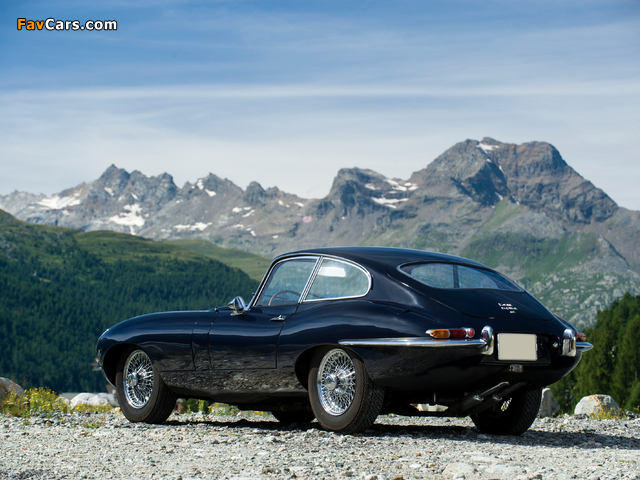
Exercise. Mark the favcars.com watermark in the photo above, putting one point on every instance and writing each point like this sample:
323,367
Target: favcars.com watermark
53,24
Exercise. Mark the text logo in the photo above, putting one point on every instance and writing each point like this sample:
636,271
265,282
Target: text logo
74,25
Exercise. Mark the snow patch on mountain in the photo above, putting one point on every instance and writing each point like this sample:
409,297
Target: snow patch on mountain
389,202
486,147
200,185
58,203
198,226
130,217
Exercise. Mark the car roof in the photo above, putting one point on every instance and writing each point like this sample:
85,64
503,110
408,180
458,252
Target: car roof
382,256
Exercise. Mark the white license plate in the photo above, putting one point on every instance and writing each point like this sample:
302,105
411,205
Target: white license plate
517,346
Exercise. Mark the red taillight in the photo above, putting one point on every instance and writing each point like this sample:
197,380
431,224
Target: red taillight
581,337
453,333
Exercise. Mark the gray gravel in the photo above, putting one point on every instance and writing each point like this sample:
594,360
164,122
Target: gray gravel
199,446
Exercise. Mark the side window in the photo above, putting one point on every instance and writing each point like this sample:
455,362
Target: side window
337,279
287,281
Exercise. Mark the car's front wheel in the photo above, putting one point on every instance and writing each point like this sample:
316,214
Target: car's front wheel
343,397
142,394
512,416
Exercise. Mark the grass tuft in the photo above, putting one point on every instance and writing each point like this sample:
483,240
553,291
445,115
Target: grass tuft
43,400
608,414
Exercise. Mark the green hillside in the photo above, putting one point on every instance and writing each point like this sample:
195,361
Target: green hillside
253,265
60,289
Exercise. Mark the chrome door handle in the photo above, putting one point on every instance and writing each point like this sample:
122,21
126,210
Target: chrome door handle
279,318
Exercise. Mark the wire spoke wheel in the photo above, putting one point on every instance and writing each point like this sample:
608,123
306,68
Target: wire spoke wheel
342,396
337,382
138,379
142,394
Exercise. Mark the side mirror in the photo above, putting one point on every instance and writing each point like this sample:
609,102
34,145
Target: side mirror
237,305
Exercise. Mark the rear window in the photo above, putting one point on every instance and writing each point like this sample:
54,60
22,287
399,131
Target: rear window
452,276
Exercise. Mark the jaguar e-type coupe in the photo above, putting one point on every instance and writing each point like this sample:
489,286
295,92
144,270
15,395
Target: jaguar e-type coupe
346,334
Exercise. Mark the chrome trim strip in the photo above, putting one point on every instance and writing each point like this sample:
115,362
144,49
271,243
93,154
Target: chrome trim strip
413,342
310,280
583,346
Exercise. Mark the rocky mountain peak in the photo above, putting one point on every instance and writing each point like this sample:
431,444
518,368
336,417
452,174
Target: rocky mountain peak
255,195
539,178
468,169
369,190
113,175
212,185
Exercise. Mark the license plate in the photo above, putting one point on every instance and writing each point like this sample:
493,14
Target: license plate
517,346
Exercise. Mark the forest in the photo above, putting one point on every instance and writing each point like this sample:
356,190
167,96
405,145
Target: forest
60,289
612,367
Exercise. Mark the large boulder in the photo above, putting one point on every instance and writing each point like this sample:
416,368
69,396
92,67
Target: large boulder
7,387
549,405
594,404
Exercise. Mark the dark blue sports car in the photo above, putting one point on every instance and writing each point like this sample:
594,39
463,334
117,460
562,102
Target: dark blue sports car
346,334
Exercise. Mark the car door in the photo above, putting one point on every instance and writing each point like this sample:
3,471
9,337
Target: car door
249,341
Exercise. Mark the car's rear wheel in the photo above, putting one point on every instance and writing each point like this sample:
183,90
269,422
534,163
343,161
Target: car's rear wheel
343,397
513,415
142,394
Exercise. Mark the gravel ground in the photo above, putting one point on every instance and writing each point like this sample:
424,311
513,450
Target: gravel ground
199,446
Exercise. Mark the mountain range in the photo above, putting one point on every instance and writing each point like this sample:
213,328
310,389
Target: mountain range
518,208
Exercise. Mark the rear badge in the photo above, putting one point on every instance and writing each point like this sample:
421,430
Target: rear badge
508,306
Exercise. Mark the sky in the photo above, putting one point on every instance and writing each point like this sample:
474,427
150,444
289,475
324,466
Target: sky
286,93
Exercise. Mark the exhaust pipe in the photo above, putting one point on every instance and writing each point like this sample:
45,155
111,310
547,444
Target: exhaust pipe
478,401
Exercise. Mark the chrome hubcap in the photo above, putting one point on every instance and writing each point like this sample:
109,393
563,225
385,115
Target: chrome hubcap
138,379
336,382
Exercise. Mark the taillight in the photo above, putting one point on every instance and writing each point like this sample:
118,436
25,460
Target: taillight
581,337
453,333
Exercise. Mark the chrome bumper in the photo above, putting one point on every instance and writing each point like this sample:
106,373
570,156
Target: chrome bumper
583,346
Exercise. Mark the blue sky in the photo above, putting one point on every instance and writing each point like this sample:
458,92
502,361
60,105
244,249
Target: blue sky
288,92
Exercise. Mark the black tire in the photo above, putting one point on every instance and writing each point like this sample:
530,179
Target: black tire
512,416
302,415
343,397
142,395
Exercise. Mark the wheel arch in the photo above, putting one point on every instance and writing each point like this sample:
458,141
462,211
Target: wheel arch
303,363
113,356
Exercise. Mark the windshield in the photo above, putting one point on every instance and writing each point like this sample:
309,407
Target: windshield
452,276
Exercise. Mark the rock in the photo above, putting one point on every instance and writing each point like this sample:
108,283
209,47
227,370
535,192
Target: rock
8,386
93,399
549,405
458,470
596,404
